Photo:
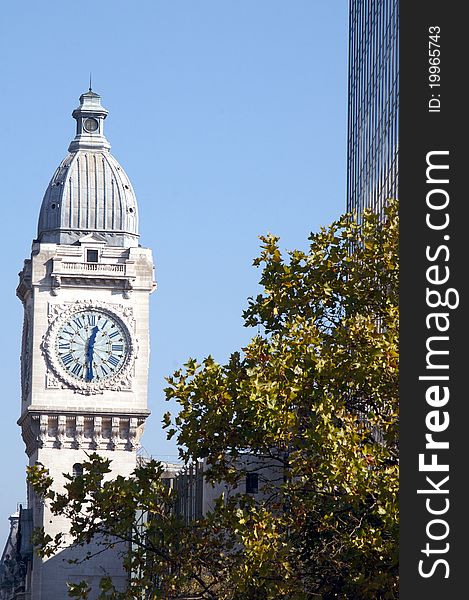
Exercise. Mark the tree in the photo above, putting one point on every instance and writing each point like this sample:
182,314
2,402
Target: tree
137,512
310,405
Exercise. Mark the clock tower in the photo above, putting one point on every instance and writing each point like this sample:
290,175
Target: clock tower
85,351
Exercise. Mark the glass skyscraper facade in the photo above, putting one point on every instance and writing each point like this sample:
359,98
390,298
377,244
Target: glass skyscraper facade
373,104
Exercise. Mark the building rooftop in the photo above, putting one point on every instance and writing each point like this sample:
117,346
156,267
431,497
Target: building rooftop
89,192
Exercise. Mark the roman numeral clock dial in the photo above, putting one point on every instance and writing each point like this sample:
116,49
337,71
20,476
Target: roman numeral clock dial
91,346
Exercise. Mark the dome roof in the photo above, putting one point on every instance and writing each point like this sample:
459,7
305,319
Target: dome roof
89,191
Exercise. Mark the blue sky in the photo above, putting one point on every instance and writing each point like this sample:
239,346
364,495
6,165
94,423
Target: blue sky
229,118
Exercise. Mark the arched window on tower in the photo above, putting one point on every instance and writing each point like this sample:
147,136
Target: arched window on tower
77,470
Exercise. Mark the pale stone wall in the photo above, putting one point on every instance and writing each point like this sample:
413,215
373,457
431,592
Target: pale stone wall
60,422
42,300
49,576
270,476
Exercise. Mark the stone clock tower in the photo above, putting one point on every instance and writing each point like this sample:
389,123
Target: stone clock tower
84,364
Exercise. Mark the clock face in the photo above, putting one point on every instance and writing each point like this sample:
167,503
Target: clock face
91,346
90,125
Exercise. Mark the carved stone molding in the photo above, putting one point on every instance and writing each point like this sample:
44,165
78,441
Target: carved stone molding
60,431
133,434
43,430
97,433
78,431
120,276
115,422
52,382
56,309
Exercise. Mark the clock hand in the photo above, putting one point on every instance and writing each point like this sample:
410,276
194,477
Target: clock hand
89,375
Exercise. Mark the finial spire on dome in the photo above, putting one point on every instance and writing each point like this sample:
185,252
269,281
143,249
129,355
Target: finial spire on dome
90,117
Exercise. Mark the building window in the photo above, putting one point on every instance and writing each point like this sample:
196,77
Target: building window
252,483
92,256
77,470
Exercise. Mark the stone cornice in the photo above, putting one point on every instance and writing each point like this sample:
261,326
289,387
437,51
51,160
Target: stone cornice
91,432
86,410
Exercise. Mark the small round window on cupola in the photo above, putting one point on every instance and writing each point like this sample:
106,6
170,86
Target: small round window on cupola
90,125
